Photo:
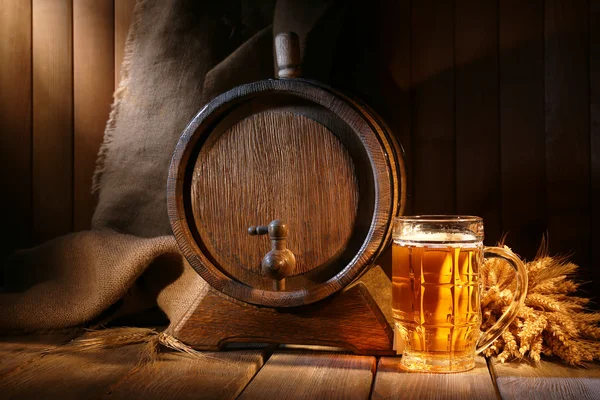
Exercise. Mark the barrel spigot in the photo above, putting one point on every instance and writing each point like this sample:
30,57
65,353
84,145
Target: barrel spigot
278,263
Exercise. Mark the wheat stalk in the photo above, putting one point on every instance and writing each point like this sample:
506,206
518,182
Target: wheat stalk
553,321
153,342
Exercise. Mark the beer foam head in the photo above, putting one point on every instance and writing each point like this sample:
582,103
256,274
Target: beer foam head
437,237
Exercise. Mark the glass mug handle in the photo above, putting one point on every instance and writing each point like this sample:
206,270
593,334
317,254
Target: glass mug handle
488,337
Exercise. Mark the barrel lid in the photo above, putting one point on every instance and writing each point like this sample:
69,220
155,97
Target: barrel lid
292,150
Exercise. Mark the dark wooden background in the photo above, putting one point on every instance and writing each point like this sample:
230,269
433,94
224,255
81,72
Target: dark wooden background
496,102
59,64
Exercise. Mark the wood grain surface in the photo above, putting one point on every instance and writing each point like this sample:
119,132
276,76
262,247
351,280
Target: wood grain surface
53,109
393,61
393,382
547,78
54,101
477,123
567,126
220,375
312,375
52,118
380,289
548,381
291,372
15,122
270,166
122,21
93,84
595,128
370,150
350,319
17,351
433,123
522,135
70,375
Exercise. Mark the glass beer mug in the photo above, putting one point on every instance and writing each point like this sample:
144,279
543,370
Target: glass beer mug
436,291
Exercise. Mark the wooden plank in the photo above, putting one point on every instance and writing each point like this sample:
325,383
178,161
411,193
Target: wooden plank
15,122
522,141
567,128
93,84
393,23
123,18
52,118
477,125
350,319
433,145
71,374
548,381
312,375
393,382
18,351
595,132
221,375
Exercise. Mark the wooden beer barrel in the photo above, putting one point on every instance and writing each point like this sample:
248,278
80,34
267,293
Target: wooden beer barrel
293,150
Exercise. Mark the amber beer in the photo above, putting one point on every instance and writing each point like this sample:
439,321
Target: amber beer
436,291
435,297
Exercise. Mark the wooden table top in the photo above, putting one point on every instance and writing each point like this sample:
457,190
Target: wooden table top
39,367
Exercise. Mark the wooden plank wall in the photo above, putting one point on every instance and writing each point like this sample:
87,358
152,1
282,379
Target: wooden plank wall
52,135
594,25
60,65
93,84
496,101
497,104
521,122
15,122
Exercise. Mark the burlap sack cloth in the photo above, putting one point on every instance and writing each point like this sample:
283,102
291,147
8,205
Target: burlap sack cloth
179,55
